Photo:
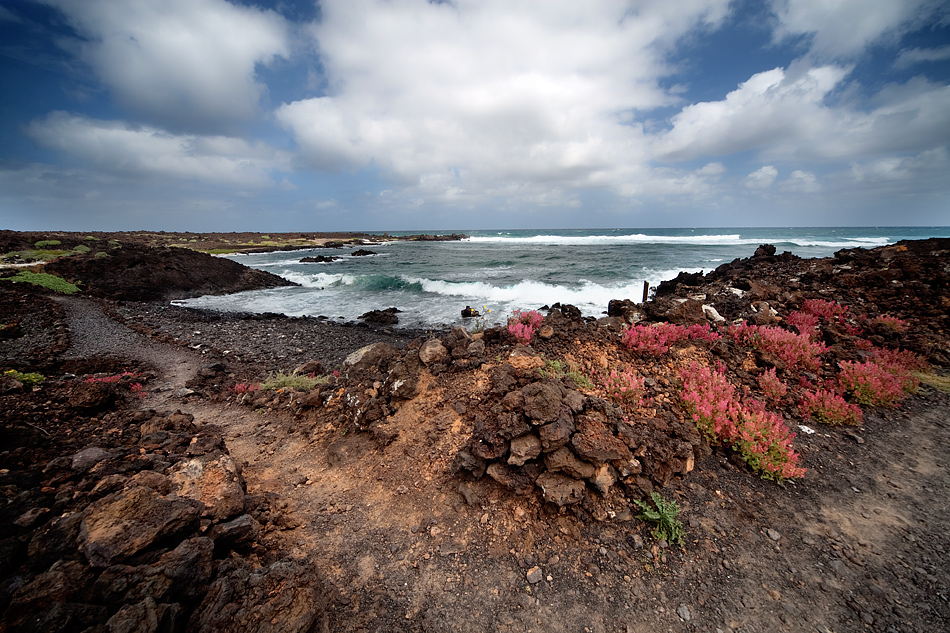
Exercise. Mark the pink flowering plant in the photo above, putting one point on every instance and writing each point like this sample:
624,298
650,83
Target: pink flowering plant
656,339
772,386
624,386
886,322
829,407
759,436
795,350
124,376
243,387
876,383
827,310
523,325
804,322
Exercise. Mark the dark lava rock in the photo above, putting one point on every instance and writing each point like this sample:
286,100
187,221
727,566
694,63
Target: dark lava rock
140,273
319,259
286,596
362,253
381,317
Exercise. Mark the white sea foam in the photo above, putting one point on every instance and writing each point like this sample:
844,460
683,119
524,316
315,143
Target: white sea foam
697,240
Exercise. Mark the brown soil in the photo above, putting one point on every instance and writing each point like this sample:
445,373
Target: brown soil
405,541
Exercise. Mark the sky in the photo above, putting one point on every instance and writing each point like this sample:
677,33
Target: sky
296,115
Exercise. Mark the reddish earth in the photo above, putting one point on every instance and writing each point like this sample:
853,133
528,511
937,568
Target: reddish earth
356,506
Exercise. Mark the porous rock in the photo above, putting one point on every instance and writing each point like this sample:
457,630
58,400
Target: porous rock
524,448
594,442
542,402
432,352
561,489
125,523
563,460
215,482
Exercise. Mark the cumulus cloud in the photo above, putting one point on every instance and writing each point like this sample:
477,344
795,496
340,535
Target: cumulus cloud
118,147
800,181
785,116
761,178
452,98
186,64
844,28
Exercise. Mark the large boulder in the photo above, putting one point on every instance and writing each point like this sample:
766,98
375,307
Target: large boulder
124,523
214,481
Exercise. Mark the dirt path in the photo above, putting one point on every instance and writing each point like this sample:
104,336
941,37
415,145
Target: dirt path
861,544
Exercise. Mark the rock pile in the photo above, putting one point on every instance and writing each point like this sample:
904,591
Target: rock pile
148,527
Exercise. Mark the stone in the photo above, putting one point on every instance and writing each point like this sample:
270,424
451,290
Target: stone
151,479
286,596
243,529
476,348
511,424
314,367
546,332
516,480
524,448
215,482
534,575
772,534
370,356
54,540
563,460
89,457
595,443
556,434
560,489
542,402
713,315
124,523
525,359
432,352
574,400
604,477
381,317
146,617
33,515
684,613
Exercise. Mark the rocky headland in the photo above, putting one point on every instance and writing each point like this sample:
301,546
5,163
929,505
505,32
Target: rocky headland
169,469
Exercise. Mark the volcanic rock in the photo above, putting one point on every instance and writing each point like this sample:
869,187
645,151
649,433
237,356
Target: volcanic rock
560,489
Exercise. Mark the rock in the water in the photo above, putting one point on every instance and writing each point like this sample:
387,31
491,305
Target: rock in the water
125,523
468,313
381,317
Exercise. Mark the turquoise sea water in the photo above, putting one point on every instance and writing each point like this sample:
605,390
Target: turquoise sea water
430,282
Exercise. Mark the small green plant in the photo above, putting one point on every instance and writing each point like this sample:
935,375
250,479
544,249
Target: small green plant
292,382
941,383
81,248
27,378
46,244
481,321
101,255
91,238
45,280
557,369
668,527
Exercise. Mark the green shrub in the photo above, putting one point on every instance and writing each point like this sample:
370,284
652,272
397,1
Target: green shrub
27,378
46,244
668,527
101,255
91,238
82,248
45,280
294,382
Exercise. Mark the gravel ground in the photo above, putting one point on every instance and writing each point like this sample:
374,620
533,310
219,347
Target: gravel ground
273,342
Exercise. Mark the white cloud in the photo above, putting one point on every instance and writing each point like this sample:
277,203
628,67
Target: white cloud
844,28
800,181
479,97
910,56
118,147
761,178
187,64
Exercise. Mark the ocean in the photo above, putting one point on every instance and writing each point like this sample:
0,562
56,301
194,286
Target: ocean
506,270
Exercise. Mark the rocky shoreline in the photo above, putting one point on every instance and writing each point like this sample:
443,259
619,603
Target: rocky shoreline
151,483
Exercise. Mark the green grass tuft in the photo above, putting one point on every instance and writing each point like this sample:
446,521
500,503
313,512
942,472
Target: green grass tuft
45,280
82,248
941,383
46,244
294,382
27,378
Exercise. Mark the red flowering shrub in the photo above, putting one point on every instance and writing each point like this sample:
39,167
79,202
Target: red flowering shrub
772,386
759,436
656,339
243,387
876,383
827,310
796,350
829,407
804,322
889,323
523,325
625,386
